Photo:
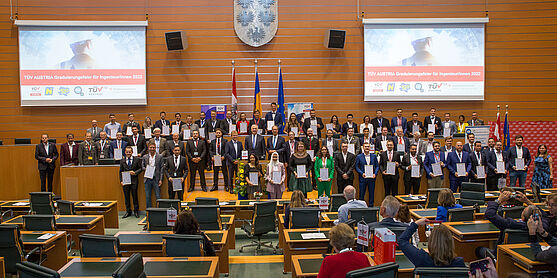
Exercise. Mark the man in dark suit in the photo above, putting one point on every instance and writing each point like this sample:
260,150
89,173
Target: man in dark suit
176,168
379,123
233,154
46,155
432,119
156,161
469,147
367,138
493,175
178,122
344,166
433,157
274,117
160,143
69,151
170,144
227,123
137,140
411,159
349,124
256,120
162,122
103,147
514,153
290,146
312,144
477,159
313,121
367,182
399,121
218,147
87,153
256,143
202,125
130,123
118,144
458,156
133,166
351,139
401,142
276,143
475,121
196,150
414,126
382,139
213,122
390,181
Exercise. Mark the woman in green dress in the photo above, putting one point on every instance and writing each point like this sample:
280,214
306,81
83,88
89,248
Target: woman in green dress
299,181
324,160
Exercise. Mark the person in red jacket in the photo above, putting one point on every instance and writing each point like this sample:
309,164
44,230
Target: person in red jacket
346,259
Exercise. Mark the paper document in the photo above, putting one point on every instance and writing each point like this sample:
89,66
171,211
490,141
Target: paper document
461,169
480,171
500,167
313,236
113,132
231,127
323,202
217,160
301,169
313,123
87,204
415,171
117,154
245,154
324,174
436,168
431,128
276,177
384,145
254,178
19,204
351,149
314,128
202,132
187,134
391,167
46,236
212,136
446,132
149,172
260,131
368,171
148,134
134,150
126,178
329,126
270,125
415,128
295,130
175,129
171,215
400,147
129,131
243,127
165,130
311,153
176,184
519,163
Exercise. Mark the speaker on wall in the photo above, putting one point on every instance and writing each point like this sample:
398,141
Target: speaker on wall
176,40
335,38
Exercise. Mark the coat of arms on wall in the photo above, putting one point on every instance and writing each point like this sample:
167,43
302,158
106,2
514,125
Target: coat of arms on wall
255,21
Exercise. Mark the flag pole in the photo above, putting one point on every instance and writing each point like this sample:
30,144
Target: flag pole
234,106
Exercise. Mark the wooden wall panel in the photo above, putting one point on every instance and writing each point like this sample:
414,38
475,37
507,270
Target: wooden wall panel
521,59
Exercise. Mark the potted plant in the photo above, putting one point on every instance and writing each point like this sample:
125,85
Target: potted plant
240,185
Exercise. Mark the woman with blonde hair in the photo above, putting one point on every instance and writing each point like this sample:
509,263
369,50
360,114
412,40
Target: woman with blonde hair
445,202
147,124
440,246
275,166
297,200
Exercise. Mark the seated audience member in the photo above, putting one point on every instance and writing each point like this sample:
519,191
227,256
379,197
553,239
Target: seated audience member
440,246
351,202
403,216
388,210
297,200
186,224
535,228
446,201
346,259
69,151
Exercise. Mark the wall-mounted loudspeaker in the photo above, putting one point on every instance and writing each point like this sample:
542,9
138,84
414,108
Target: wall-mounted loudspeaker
176,40
335,39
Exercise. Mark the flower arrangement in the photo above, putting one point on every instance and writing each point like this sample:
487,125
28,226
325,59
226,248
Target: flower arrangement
240,184
257,195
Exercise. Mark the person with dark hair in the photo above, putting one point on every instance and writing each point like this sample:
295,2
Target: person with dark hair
300,181
410,160
445,201
218,147
366,124
543,168
414,126
186,224
461,125
516,153
324,160
535,228
337,127
69,151
292,123
133,165
399,121
162,122
477,160
129,124
46,155
253,167
274,117
313,121
196,151
112,125
379,122
349,124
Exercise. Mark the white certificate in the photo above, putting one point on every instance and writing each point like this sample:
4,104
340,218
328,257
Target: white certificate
212,136
400,147
391,167
243,127
415,171
500,167
415,128
276,177
176,184
295,130
270,125
301,169
148,134
311,153
461,169
187,134
259,131
149,172
117,154
436,167
175,129
323,202
324,174
126,178
314,128
329,126
429,147
254,178
330,148
129,131
446,132
202,132
217,160
113,132
231,127
134,149
245,154
480,171
313,122
351,149
378,130
165,130
519,163
384,145
368,171
446,125
431,128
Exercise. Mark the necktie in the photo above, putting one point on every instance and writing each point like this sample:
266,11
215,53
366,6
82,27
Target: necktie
479,158
274,141
400,140
218,146
390,156
176,161
195,143
129,162
135,140
310,143
253,141
459,157
118,144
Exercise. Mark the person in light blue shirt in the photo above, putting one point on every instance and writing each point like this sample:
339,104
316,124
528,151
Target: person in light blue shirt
350,195
112,125
446,201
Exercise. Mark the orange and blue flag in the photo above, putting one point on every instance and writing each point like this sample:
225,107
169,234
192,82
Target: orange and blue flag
257,94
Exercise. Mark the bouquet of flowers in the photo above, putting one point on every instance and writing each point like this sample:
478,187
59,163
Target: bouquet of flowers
240,185
257,195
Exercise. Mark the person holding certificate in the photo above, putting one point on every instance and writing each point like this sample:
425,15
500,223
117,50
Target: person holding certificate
112,127
313,122
432,123
103,147
519,160
130,168
352,141
256,120
218,151
311,144
367,168
162,123
349,124
118,146
242,124
459,165
253,173
177,171
131,123
389,162
153,167
276,144
414,126
228,124
335,125
434,162
160,142
188,127
273,118
496,169
292,125
275,176
147,125
300,164
381,140
412,166
196,150
324,172
478,161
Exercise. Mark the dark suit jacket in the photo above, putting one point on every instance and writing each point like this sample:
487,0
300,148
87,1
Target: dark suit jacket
394,123
354,140
336,147
41,156
287,152
172,172
222,150
230,151
205,126
406,162
260,125
491,162
406,144
224,125
345,128
159,166
410,126
84,153
170,147
128,124
307,124
345,168
279,147
314,144
474,162
279,120
201,150
437,123
452,160
378,139
104,150
511,154
384,123
468,147
114,146
216,123
383,159
141,144
65,157
159,124
258,148
136,167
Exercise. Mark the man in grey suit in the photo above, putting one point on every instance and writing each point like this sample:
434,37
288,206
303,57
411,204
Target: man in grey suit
256,144
427,145
103,147
449,125
188,125
475,121
351,139
87,153
95,131
152,163
175,142
159,142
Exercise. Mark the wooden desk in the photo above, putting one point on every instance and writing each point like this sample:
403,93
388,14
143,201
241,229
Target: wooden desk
327,219
431,213
519,258
108,209
281,230
21,208
309,265
73,224
2,269
54,248
469,235
414,200
294,244
149,244
205,267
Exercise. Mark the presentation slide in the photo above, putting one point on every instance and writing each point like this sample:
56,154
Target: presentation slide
424,62
89,65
